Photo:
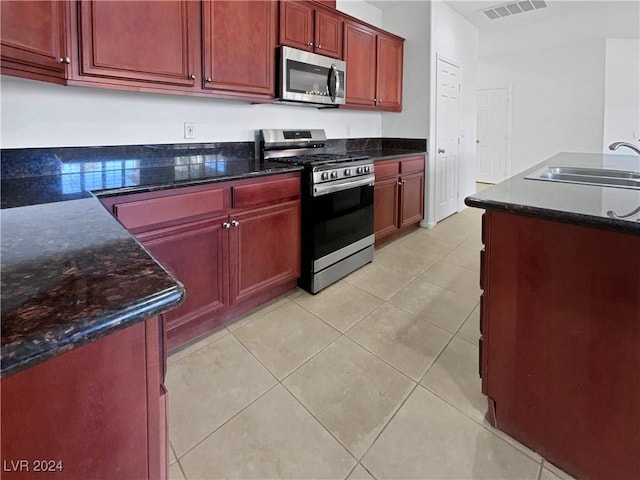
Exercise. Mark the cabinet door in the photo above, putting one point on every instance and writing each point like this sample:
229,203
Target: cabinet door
197,255
411,199
86,409
360,55
389,73
296,25
33,39
385,207
264,249
328,34
145,41
239,47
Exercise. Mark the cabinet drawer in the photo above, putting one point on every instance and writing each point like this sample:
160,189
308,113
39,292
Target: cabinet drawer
386,169
412,165
265,192
166,209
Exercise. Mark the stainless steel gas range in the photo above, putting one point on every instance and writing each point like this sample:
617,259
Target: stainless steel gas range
337,204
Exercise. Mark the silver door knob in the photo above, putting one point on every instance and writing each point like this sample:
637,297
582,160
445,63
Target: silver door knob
441,150
235,223
226,225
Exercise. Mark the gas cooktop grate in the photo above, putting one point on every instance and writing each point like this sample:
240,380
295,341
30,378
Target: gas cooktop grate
319,159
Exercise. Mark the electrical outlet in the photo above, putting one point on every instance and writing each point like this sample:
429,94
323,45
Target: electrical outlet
189,130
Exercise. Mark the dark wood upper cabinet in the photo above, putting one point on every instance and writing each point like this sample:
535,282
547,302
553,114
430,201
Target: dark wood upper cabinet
374,68
308,26
33,38
328,33
296,24
239,40
142,41
389,72
360,55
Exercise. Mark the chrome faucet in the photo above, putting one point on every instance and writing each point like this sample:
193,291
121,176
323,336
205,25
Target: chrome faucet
616,145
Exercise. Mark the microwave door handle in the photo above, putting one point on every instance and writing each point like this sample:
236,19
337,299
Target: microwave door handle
334,81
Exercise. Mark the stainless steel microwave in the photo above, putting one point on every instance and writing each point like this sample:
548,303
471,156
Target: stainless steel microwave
307,78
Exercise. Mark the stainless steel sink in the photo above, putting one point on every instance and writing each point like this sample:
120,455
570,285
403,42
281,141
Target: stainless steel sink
589,176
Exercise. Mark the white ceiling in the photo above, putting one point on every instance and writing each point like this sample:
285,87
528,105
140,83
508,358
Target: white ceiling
472,11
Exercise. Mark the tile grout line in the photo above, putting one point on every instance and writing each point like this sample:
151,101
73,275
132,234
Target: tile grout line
340,334
485,427
228,420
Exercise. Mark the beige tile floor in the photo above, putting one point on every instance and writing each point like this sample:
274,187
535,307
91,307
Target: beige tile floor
375,377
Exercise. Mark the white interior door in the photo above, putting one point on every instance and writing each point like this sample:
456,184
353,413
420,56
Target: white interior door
447,138
493,140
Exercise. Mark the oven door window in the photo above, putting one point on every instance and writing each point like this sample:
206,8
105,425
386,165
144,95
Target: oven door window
341,218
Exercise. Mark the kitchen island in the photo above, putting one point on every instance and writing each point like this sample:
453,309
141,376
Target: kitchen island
560,317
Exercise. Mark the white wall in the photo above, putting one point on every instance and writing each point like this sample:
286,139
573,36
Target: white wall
411,21
37,114
454,38
361,10
556,69
621,93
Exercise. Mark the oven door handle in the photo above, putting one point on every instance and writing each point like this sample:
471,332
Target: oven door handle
325,189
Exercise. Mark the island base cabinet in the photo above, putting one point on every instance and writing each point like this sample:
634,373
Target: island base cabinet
560,342
94,412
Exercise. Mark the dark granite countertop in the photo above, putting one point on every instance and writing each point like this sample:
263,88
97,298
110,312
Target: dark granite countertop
70,272
388,153
579,204
70,275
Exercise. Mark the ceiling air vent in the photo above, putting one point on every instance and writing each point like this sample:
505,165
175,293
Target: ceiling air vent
514,8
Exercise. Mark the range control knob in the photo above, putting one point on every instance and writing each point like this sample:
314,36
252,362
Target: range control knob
359,170
347,172
334,174
367,169
324,176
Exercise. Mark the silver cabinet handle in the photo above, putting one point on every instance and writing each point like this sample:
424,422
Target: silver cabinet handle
235,223
399,182
192,77
441,150
226,225
309,44
208,79
66,60
318,46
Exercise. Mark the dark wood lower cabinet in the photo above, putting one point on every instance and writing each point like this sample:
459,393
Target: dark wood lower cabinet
560,342
197,254
411,199
385,206
265,249
96,412
398,197
233,245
